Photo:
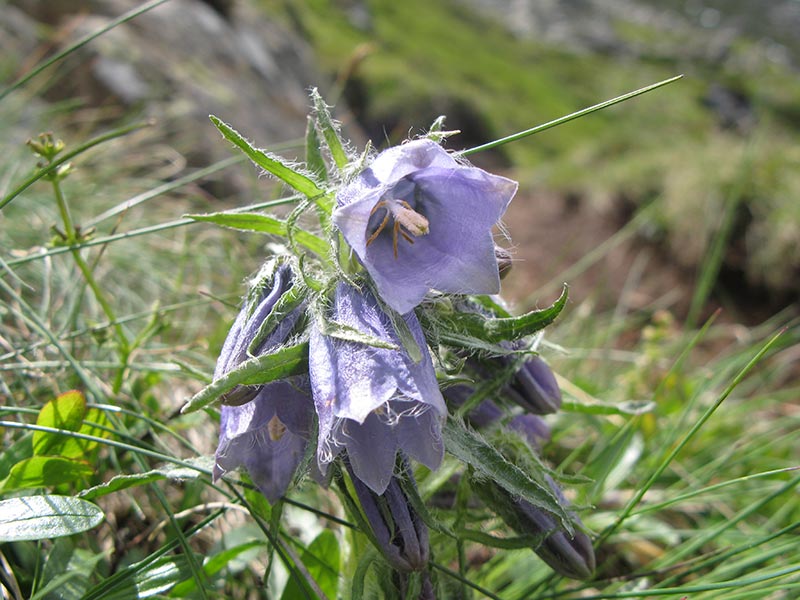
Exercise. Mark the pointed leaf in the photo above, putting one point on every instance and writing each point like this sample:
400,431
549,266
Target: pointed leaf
472,449
45,517
265,224
456,326
284,362
44,471
330,131
122,482
270,162
314,160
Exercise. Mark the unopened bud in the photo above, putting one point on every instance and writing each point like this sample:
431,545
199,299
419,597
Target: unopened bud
535,388
401,535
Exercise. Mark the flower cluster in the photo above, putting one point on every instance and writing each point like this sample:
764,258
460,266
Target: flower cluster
349,361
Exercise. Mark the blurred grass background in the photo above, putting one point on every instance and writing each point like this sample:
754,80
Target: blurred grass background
657,211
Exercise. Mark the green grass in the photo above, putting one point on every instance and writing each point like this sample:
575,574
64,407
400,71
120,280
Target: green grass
698,497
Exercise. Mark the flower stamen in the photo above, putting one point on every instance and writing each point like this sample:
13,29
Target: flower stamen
408,223
276,428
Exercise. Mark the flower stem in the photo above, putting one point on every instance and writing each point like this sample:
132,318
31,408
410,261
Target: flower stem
73,237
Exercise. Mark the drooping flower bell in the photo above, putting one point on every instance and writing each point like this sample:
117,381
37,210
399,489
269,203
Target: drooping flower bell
420,220
265,428
398,530
373,401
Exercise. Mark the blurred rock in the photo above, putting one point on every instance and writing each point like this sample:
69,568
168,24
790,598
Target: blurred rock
180,62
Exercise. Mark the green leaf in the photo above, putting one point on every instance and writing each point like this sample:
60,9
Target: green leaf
68,412
315,163
44,471
123,482
456,327
322,561
16,452
330,130
265,224
45,517
271,163
283,362
628,407
64,412
472,449
351,334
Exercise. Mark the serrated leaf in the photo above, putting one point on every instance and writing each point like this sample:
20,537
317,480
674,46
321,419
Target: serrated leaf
265,224
322,562
123,482
458,327
329,129
271,163
44,471
472,449
315,162
45,517
280,364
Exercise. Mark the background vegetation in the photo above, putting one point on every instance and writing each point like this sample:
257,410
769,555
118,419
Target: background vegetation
696,496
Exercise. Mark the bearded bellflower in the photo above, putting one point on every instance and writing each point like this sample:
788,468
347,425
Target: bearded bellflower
420,220
373,401
267,427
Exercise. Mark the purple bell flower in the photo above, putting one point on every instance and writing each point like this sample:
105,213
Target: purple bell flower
264,428
420,220
401,535
535,388
373,401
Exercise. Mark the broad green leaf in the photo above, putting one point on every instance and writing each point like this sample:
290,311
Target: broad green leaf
265,224
271,163
122,482
45,517
68,412
284,362
44,471
64,412
472,449
330,131
322,562
456,327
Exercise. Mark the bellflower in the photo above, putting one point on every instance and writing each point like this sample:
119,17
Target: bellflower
373,401
267,428
420,220
401,534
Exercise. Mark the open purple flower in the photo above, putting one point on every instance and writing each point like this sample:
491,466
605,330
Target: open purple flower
370,400
264,428
420,220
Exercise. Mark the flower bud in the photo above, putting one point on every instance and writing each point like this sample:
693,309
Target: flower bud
483,415
532,428
535,388
401,535
570,556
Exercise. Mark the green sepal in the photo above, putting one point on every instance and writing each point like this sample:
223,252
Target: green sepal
315,162
489,463
329,130
284,362
271,163
266,224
